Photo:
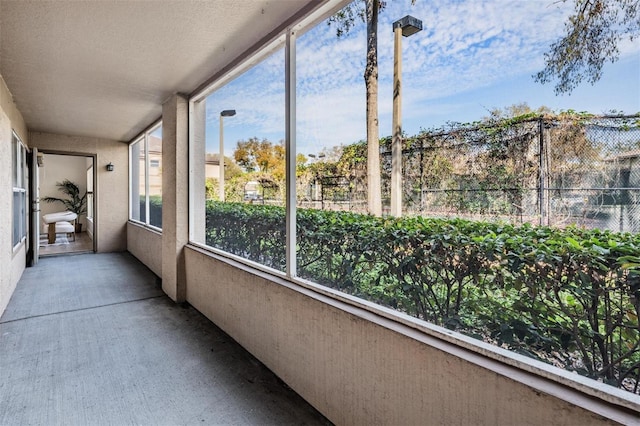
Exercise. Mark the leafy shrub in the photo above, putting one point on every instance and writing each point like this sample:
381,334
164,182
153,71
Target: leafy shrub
567,296
155,210
255,232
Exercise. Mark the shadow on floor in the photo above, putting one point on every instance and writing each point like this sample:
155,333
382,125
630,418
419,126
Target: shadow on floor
92,339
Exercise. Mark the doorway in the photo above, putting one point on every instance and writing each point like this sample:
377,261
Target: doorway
67,203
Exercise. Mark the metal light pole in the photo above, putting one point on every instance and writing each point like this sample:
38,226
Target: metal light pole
404,27
225,113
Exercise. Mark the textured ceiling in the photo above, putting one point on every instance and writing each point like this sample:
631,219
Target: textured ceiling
103,68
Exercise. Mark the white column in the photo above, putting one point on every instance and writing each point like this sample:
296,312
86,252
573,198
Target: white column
197,171
175,195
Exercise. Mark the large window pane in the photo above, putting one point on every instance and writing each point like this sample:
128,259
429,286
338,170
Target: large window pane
332,173
138,181
539,291
154,144
19,217
146,178
243,178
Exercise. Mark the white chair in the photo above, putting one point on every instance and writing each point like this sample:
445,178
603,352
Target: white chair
59,223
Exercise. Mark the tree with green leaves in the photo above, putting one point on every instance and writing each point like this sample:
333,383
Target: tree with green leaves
592,35
231,172
518,111
264,162
260,155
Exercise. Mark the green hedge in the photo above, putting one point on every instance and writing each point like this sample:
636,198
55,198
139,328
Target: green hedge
155,210
570,296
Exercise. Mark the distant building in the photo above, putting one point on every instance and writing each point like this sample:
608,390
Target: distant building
155,165
212,166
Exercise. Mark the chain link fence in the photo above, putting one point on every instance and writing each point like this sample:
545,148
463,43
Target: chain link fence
591,175
581,171
554,172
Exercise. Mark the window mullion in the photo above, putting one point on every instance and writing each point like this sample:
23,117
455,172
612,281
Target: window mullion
147,210
131,183
290,151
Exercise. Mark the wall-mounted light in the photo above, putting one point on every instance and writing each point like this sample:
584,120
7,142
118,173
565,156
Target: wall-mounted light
109,167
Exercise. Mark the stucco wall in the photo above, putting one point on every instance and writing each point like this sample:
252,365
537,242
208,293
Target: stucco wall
12,262
146,245
358,369
175,195
111,188
13,114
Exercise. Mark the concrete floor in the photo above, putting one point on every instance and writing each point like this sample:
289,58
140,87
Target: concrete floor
91,339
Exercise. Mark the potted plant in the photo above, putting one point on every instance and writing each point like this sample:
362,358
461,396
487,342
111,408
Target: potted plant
75,203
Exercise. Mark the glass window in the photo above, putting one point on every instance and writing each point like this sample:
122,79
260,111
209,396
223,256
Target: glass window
90,192
138,182
19,191
146,178
240,181
331,169
154,176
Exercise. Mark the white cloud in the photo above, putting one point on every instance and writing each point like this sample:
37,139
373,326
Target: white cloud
466,45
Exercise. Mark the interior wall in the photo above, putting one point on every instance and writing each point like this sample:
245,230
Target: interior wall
111,188
359,369
12,262
57,168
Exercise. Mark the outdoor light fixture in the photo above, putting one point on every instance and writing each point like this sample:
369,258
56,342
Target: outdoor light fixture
224,113
403,27
409,25
109,167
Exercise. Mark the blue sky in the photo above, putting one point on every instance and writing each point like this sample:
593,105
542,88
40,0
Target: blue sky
471,57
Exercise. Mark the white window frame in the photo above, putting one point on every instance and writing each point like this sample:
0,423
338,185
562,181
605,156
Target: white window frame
19,185
144,139
286,39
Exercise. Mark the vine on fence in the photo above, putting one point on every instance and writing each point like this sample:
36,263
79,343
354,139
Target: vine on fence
552,169
566,296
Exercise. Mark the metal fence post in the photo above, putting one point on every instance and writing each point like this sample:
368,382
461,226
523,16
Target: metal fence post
545,166
541,172
422,206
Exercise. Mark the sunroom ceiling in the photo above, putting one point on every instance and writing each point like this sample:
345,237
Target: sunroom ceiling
103,68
